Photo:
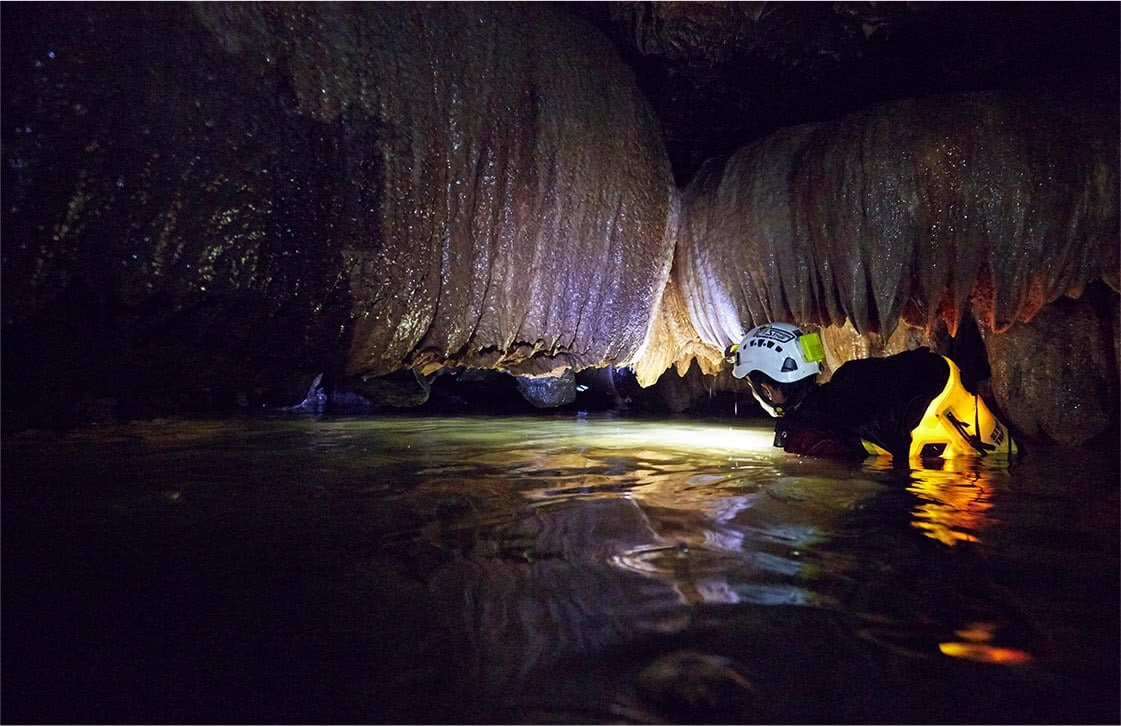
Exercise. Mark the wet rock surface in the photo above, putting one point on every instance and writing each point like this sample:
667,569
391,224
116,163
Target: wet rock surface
523,190
909,211
205,207
721,73
548,391
204,199
165,242
1055,376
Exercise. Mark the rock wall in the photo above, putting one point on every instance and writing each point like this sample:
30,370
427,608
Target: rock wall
524,192
890,227
1056,377
911,211
208,205
205,197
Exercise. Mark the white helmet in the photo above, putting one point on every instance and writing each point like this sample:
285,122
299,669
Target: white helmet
781,350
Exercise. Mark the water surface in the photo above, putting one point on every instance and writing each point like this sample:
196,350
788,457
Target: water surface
566,569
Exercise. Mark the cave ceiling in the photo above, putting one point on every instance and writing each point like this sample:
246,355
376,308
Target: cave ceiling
721,74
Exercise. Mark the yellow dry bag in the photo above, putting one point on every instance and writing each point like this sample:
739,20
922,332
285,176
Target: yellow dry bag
956,423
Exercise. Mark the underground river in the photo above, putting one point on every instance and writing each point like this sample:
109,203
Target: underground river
546,569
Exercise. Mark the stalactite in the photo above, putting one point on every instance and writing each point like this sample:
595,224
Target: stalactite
914,209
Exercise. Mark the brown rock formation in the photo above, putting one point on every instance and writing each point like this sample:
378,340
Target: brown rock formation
225,189
211,201
522,187
1056,376
909,211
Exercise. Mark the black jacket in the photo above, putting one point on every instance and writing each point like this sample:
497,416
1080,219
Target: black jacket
876,399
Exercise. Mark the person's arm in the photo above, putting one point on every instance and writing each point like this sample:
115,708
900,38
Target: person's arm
810,440
824,444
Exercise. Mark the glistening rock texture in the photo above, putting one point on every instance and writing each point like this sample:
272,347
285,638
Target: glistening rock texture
1056,376
908,211
208,205
523,190
203,198
172,232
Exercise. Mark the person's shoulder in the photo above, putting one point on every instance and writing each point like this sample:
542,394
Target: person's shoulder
908,359
921,359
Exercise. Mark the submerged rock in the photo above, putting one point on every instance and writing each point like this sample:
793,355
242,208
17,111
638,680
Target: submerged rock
699,688
316,398
403,389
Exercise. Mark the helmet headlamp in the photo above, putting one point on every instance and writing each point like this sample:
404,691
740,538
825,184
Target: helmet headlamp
781,350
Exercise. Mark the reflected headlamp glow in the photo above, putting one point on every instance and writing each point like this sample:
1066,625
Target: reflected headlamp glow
705,438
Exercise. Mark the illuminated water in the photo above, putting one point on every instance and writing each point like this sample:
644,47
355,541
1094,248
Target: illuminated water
549,569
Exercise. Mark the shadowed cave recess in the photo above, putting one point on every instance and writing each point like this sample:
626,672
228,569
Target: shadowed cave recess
371,207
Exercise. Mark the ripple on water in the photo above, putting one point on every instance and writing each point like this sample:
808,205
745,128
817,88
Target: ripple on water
386,563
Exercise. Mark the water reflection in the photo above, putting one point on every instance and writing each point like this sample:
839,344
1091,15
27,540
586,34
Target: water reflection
954,496
527,570
975,642
955,499
695,524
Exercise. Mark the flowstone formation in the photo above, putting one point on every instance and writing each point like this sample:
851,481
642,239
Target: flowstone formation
231,205
203,201
519,188
917,211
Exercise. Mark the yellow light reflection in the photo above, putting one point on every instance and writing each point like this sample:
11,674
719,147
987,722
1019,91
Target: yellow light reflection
984,653
955,501
975,645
